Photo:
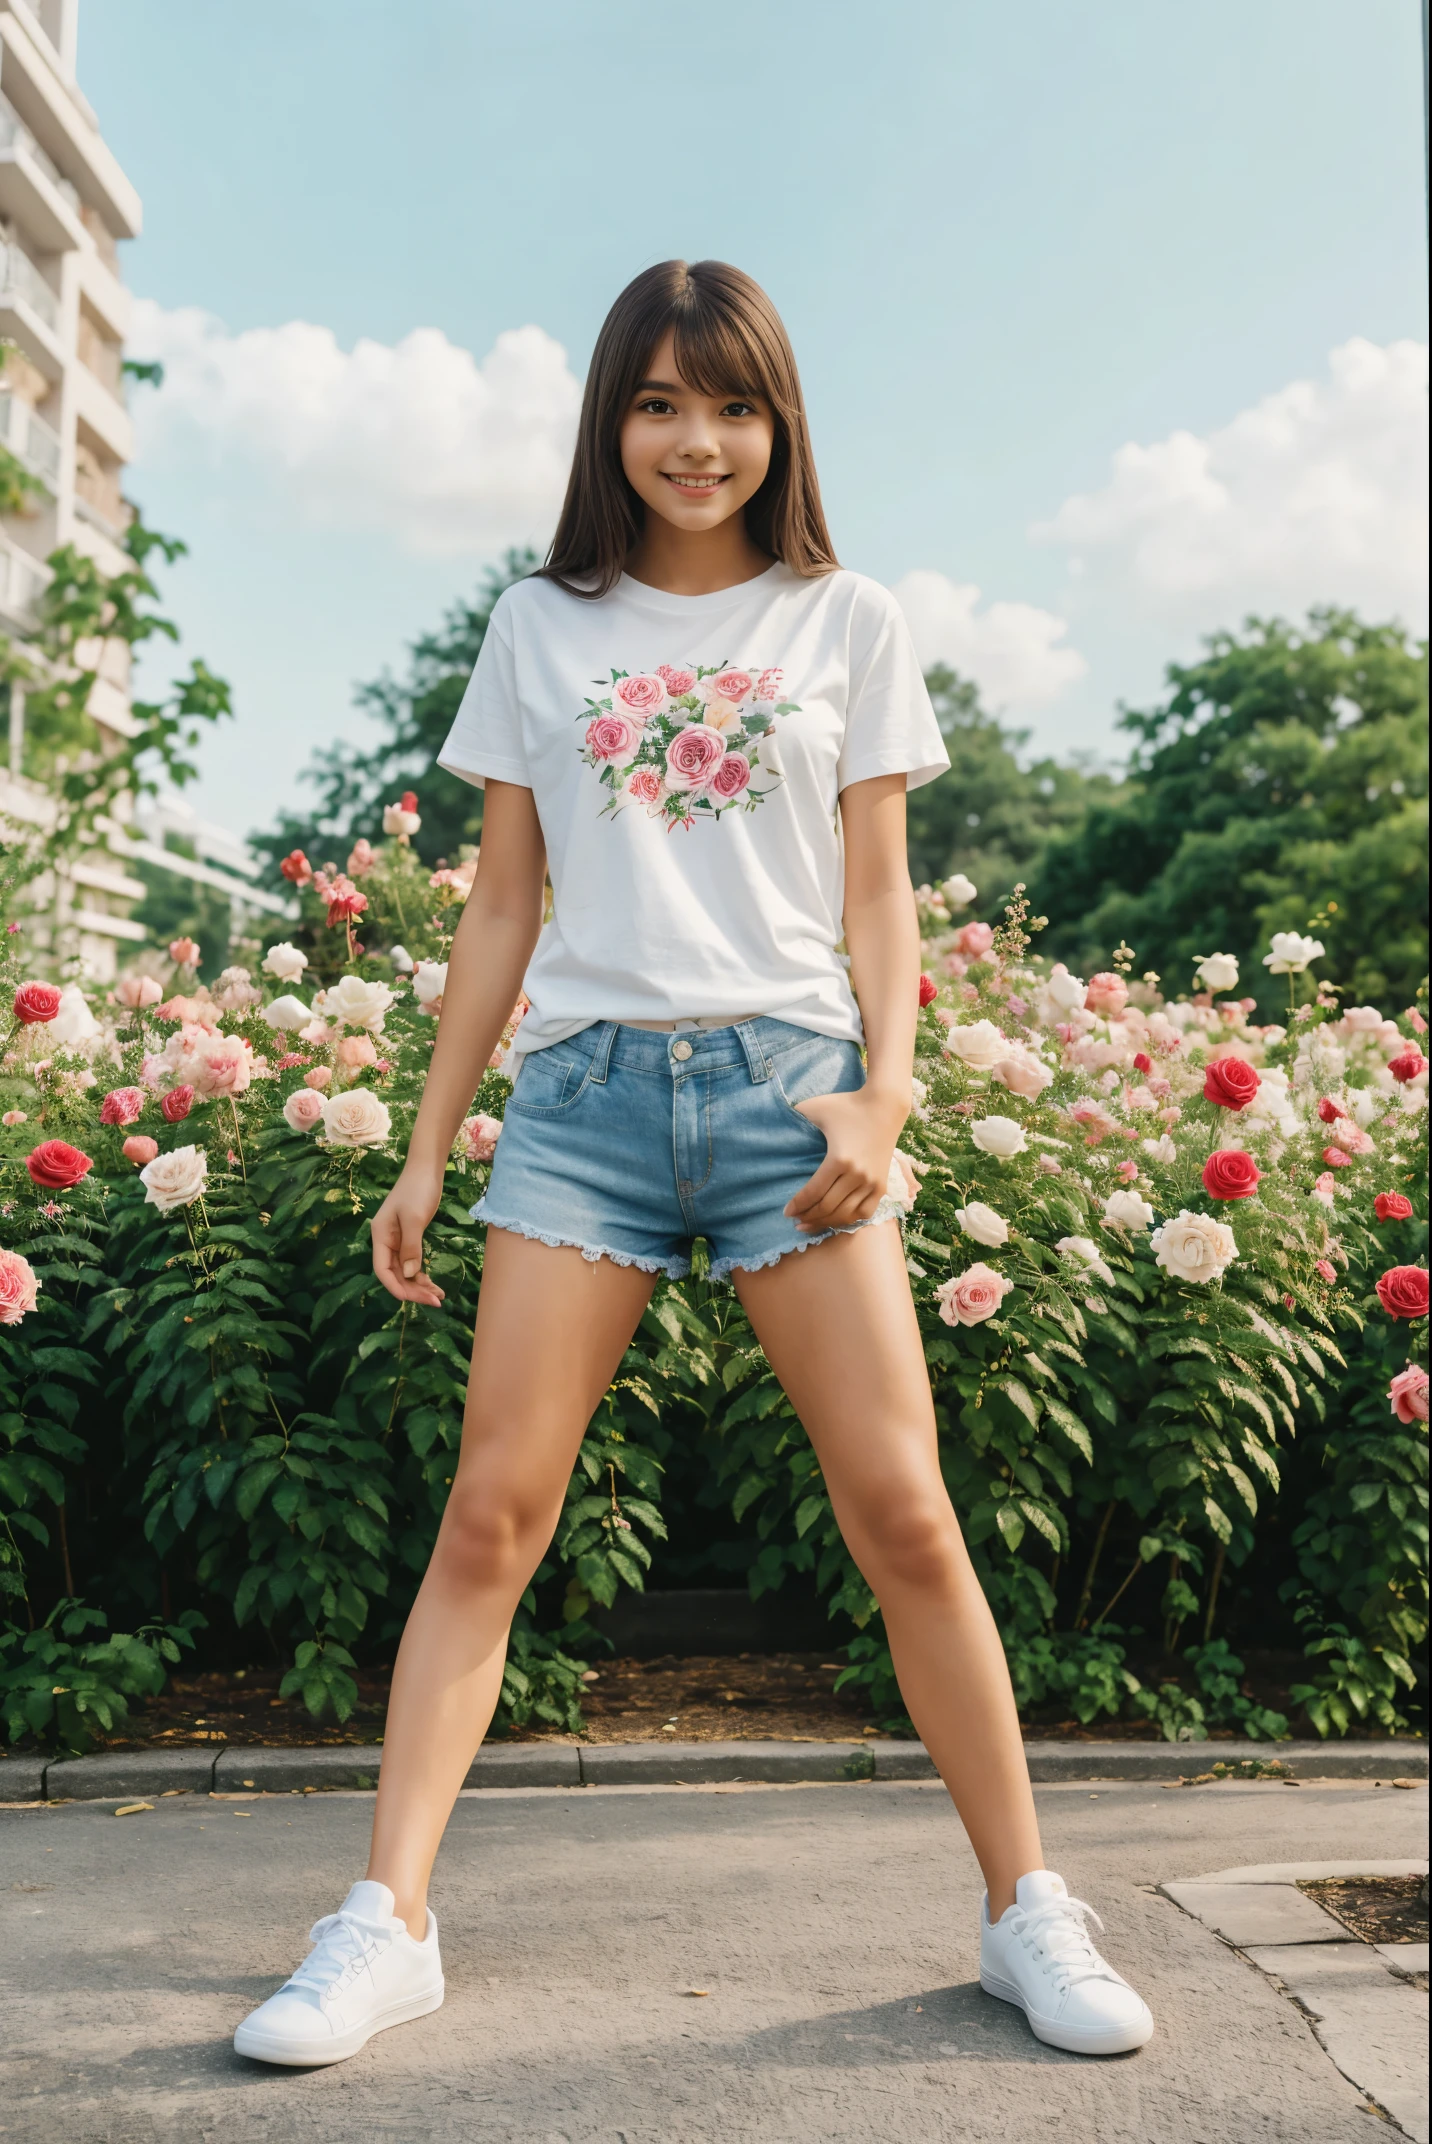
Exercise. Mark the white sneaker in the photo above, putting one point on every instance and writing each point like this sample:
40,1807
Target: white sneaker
364,1972
1039,1956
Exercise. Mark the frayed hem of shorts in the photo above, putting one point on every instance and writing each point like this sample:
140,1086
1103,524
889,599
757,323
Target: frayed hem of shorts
723,1268
673,1268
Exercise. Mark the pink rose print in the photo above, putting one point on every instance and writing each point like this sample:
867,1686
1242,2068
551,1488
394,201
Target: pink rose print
692,757
733,685
677,682
768,685
639,696
645,784
731,776
615,736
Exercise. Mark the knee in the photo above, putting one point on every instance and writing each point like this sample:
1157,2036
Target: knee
489,1539
912,1540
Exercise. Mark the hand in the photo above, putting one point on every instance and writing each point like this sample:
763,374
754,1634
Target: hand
860,1131
398,1238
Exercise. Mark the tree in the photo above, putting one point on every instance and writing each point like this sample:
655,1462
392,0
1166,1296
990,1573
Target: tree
1281,784
415,714
990,817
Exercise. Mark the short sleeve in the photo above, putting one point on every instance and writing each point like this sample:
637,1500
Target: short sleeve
890,726
486,736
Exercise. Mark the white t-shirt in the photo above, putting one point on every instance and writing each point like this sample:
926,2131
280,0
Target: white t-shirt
685,754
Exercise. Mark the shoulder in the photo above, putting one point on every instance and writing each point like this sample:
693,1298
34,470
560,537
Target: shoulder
867,605
533,603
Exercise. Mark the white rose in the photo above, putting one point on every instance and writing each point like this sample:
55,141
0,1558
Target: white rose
1219,971
1125,1209
398,821
429,983
983,1223
958,891
287,1014
1195,1247
1086,1253
1361,1019
1291,952
1065,990
1160,1150
920,1095
285,962
355,1003
176,1178
902,1185
402,960
1023,1073
74,1022
999,1136
356,1118
979,1046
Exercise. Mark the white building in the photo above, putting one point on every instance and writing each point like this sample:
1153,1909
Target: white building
64,205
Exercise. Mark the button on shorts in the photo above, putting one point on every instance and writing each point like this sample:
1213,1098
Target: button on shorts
627,1144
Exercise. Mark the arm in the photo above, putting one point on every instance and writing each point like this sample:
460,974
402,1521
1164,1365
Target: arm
884,942
490,951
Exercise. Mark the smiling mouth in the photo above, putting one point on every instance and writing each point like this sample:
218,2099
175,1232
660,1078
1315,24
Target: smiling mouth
696,484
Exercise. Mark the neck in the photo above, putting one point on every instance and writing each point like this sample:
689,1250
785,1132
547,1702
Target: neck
682,562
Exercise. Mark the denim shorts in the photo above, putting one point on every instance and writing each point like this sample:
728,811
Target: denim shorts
626,1144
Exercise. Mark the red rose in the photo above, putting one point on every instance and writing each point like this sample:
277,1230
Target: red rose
296,868
56,1167
1336,1158
1330,1111
345,904
122,1105
36,1002
1231,1082
1402,1291
176,1105
1143,1062
408,801
1231,1174
929,990
1392,1206
1408,1064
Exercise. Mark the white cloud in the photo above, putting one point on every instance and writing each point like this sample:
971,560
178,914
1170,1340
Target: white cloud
1009,649
1317,494
418,439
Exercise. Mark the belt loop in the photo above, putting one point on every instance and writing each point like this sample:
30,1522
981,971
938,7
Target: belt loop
601,1056
756,1059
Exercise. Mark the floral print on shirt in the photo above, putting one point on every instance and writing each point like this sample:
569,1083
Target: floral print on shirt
685,743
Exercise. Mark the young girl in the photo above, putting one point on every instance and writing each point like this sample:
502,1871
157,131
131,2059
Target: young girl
703,729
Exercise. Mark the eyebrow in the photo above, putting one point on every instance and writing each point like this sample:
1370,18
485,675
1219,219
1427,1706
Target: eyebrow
676,387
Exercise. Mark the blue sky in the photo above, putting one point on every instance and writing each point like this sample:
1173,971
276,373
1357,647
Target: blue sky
1009,241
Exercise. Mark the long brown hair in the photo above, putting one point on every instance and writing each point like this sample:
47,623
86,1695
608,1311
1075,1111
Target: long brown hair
729,339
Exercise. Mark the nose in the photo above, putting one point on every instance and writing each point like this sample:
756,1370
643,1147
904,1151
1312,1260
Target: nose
698,442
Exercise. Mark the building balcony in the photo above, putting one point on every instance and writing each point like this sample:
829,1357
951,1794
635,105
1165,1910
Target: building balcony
23,580
29,439
33,190
30,311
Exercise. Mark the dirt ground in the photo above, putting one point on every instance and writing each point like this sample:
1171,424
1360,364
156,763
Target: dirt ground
702,1698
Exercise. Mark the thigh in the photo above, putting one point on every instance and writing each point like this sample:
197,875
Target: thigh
838,1327
552,1328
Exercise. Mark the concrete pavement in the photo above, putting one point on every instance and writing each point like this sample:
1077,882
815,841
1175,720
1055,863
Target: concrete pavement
834,1928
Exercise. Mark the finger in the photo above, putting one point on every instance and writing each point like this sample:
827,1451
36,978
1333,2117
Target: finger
418,1287
834,1198
812,1192
853,1198
410,1256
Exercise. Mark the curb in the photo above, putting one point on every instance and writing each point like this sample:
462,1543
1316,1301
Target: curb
115,1775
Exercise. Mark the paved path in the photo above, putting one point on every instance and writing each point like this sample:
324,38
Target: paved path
834,1927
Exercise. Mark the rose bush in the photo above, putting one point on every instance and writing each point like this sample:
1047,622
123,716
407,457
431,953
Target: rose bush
204,1358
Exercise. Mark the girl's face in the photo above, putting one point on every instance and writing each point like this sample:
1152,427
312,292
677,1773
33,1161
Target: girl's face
693,459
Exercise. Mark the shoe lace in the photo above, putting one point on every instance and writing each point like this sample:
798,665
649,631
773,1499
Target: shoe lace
343,1946
1057,1933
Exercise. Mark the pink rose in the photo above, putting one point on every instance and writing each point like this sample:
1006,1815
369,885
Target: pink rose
1326,1270
34,1004
361,858
975,940
18,1116
320,1076
19,1288
972,1296
731,776
733,685
1107,994
1023,1074
303,1110
184,953
176,1105
677,682
769,686
645,784
1407,1392
225,1066
482,1134
357,1050
122,1105
139,1149
614,737
136,991
693,756
639,697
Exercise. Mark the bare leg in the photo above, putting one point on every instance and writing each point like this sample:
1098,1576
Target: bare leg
551,1330
839,1329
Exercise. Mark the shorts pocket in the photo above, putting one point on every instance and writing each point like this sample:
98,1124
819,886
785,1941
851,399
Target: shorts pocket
550,1081
824,1065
